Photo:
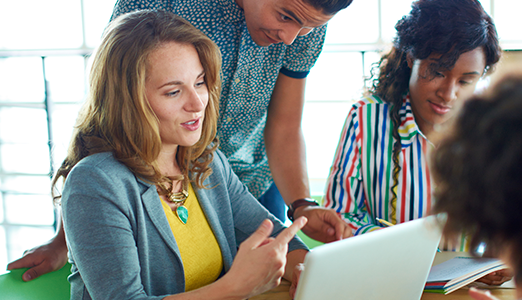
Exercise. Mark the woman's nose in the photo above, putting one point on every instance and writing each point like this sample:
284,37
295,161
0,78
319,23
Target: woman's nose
448,91
197,101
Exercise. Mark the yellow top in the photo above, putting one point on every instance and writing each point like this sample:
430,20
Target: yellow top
200,252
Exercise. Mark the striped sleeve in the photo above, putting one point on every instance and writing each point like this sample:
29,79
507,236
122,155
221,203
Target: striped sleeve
344,190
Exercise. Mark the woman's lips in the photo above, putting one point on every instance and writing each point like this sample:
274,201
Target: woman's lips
439,109
191,125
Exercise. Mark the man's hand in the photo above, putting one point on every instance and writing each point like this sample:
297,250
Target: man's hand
324,224
42,259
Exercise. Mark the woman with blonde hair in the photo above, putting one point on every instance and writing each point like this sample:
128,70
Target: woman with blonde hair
151,208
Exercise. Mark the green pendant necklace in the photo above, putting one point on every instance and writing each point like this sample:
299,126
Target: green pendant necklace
179,198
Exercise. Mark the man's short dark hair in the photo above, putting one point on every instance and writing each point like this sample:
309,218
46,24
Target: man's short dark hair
329,7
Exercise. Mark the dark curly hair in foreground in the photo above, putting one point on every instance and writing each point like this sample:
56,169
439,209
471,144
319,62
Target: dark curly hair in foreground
445,27
478,169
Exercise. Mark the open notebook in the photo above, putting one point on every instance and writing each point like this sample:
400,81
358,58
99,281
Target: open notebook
459,271
391,263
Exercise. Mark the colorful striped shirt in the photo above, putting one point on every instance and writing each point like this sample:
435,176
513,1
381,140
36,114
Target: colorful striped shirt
360,183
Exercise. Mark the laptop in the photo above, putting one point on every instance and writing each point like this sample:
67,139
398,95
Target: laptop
391,263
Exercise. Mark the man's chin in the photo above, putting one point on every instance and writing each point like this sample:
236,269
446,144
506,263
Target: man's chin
262,43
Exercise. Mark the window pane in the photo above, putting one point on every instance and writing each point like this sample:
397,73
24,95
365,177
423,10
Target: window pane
19,184
23,125
336,76
370,58
1,209
507,20
66,78
49,24
344,27
21,79
21,238
486,4
3,249
97,15
391,13
30,158
322,126
64,118
29,209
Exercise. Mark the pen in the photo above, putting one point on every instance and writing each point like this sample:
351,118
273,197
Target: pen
384,222
388,224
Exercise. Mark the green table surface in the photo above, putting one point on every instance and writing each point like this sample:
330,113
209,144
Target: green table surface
53,285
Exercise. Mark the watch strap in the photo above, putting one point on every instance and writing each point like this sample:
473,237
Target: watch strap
298,203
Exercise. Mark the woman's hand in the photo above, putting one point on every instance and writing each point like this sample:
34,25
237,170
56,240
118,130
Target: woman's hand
298,269
260,261
481,294
497,278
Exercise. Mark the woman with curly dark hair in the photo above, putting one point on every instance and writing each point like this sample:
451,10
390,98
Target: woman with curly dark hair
478,170
380,170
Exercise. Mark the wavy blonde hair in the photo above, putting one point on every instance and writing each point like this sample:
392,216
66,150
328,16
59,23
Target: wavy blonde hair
117,116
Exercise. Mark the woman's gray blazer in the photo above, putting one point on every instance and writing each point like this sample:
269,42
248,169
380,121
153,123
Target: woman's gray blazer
120,243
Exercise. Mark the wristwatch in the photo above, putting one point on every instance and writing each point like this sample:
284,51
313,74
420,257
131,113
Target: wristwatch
298,203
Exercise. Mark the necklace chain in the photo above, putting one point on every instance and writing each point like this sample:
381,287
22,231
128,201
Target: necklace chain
178,197
174,197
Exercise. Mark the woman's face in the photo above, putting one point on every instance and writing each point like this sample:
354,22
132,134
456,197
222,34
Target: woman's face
434,95
177,93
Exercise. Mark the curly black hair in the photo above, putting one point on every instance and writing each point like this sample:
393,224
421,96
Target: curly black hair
445,27
478,170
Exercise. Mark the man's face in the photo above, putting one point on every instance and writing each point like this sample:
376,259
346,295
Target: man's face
274,21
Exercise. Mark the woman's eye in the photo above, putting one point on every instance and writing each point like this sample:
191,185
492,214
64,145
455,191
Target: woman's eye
173,93
201,83
439,74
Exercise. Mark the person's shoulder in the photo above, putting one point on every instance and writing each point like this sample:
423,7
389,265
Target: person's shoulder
221,169
219,161
368,102
103,162
99,159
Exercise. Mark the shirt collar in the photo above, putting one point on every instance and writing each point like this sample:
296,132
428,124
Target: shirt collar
232,11
408,128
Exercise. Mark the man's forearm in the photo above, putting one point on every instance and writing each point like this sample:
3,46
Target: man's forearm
287,159
284,141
